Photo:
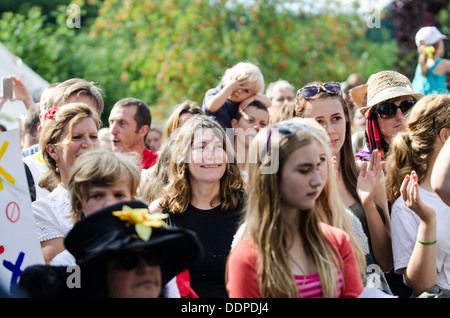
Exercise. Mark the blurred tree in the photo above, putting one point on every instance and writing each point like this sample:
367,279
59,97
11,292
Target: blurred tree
164,52
408,16
178,49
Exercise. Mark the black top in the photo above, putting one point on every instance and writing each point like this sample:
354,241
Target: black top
215,229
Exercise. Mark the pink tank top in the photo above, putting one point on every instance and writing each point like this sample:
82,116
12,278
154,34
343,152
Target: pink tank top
309,286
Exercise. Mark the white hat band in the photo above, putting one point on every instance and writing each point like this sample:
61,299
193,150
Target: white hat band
396,89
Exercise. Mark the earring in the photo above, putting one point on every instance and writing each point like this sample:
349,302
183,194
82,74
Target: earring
57,169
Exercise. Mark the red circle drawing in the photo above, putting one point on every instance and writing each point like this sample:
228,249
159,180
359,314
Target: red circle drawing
13,212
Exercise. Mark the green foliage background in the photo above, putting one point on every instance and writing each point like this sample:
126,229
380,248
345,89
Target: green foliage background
164,52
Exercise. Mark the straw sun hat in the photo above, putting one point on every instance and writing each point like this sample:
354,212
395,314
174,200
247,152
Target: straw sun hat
380,87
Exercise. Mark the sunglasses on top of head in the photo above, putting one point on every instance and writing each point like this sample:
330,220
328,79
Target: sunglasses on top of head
332,88
389,109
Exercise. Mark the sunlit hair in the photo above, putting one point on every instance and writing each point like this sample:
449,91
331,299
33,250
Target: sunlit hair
254,74
173,122
280,113
411,149
423,55
329,205
267,227
75,87
278,85
100,168
68,115
157,176
348,168
177,193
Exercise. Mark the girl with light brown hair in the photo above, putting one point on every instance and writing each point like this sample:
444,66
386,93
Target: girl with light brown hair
286,250
420,218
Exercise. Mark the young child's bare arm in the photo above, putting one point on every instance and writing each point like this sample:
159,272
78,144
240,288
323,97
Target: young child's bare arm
218,100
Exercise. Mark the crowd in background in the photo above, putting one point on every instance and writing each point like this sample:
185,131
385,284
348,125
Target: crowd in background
326,190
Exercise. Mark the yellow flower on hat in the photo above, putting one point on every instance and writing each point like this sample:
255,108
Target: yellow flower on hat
143,220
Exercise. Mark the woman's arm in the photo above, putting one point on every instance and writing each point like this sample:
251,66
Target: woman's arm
421,273
51,248
440,177
367,187
241,278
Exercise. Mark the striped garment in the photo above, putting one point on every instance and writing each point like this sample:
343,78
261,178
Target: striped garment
309,286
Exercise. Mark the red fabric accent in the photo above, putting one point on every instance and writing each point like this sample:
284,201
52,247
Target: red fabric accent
149,159
51,112
184,285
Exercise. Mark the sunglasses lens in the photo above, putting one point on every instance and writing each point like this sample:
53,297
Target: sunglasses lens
387,110
127,260
406,105
333,88
152,257
309,91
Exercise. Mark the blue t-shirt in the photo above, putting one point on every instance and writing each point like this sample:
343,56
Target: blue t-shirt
224,114
431,84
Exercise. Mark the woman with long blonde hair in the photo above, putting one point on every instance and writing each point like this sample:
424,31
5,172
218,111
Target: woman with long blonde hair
286,249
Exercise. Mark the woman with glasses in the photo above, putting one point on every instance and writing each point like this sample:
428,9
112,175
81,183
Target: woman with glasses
122,252
389,97
420,218
205,193
361,192
286,251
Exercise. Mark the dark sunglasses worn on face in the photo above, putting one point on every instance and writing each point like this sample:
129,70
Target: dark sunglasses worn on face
129,259
389,110
311,91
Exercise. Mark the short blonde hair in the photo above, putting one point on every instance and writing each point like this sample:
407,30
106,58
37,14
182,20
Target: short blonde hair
74,87
254,74
100,167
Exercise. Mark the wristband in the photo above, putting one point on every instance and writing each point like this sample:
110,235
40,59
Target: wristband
426,243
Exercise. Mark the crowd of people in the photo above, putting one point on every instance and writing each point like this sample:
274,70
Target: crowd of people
255,192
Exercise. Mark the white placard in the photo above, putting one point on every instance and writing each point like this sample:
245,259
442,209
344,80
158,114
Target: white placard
19,244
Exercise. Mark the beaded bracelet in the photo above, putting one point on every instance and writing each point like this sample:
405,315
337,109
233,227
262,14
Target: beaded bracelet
426,243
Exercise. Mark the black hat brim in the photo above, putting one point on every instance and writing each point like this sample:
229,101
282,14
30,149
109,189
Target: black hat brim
101,235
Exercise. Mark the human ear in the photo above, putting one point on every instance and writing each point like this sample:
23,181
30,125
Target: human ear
51,150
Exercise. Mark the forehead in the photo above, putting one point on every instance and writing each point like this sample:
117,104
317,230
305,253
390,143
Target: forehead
252,86
83,124
284,91
256,112
82,98
324,107
124,113
308,153
205,135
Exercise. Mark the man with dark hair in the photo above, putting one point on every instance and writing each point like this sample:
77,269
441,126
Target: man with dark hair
129,122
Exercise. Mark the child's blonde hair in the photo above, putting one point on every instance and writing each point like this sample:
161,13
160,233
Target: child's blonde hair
100,167
251,70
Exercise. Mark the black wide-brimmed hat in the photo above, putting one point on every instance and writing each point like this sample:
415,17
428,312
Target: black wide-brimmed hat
127,225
